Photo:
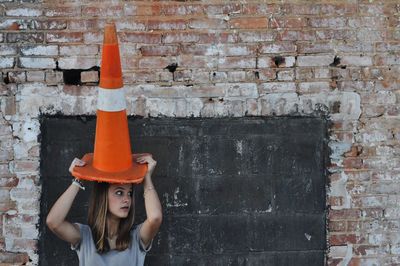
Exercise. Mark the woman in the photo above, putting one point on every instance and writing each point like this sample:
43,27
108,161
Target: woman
109,238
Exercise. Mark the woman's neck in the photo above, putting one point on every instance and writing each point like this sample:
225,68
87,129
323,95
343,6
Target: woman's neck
112,226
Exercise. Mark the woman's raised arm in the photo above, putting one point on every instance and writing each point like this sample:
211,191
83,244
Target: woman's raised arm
56,217
152,203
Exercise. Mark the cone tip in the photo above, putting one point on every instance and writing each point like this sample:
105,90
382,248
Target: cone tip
110,33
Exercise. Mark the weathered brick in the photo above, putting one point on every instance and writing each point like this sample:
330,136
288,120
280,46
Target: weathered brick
77,62
155,62
89,76
356,60
129,24
268,62
248,23
314,87
236,62
167,24
40,50
7,62
8,50
288,22
62,11
274,48
257,36
137,37
337,22
107,11
62,37
37,62
150,50
316,60
79,50
209,23
182,10
13,37
277,87
23,12
35,76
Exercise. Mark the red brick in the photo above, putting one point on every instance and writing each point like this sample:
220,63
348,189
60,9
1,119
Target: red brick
288,22
337,226
352,163
354,226
344,214
342,239
260,9
248,23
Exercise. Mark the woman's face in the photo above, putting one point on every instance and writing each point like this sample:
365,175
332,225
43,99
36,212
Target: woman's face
120,199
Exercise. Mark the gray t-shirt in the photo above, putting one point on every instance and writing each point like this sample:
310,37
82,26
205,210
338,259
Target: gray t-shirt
88,256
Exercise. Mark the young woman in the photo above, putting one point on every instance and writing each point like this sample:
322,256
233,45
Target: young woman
110,237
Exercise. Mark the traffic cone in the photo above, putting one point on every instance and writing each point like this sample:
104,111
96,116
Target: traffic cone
112,160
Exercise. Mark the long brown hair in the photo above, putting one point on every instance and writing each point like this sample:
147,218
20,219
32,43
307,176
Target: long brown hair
97,220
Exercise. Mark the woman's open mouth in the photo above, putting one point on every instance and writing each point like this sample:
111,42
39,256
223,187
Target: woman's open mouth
125,208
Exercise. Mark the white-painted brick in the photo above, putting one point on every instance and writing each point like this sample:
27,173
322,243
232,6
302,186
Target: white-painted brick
315,60
71,50
277,87
6,49
77,62
32,62
356,60
279,104
40,50
248,90
314,87
7,62
24,12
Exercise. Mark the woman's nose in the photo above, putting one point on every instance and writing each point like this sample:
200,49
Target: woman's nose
126,198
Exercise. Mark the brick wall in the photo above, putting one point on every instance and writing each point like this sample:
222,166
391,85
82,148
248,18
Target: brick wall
210,59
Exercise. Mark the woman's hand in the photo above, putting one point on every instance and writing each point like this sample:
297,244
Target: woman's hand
76,162
146,158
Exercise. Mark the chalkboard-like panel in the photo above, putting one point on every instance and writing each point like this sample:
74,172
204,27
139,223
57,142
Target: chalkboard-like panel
235,191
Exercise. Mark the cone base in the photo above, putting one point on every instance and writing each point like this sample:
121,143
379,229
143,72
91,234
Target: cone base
135,174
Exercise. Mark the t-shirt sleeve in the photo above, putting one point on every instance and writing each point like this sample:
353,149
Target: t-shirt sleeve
136,237
77,246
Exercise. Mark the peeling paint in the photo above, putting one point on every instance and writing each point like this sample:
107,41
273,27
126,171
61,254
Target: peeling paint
338,189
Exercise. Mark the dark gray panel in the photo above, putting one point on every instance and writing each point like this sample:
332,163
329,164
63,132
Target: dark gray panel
235,191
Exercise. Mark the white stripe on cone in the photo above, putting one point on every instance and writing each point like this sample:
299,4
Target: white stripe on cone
111,100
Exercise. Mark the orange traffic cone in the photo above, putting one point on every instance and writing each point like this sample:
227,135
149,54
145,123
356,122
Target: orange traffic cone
112,160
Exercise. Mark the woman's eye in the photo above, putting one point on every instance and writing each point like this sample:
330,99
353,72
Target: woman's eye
119,193
130,194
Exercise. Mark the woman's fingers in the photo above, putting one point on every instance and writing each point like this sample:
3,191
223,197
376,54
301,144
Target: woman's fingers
76,162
